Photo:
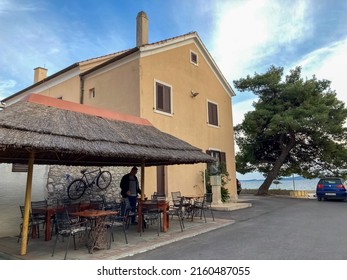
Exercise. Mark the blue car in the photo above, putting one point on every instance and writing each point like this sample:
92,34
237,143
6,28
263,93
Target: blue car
331,188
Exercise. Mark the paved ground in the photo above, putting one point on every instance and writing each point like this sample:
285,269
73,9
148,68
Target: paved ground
38,249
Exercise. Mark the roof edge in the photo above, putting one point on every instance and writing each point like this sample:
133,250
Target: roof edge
84,109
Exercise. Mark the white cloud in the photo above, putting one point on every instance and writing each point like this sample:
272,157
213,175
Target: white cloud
249,31
6,86
329,63
241,108
8,6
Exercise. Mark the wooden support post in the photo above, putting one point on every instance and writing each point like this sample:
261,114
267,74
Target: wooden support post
23,249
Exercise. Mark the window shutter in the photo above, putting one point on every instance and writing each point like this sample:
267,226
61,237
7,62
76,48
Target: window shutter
167,100
163,96
212,114
160,97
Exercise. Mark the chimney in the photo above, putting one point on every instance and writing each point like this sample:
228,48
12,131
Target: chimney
39,74
141,29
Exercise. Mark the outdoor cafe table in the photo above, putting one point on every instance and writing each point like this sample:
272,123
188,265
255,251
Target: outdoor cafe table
98,232
189,207
193,197
163,205
49,212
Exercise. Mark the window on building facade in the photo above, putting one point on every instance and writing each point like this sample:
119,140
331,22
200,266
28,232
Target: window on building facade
193,58
92,93
212,109
220,163
19,167
163,98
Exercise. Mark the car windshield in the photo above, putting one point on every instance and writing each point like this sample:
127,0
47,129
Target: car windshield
330,181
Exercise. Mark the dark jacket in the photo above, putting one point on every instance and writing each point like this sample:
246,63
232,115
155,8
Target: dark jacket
124,185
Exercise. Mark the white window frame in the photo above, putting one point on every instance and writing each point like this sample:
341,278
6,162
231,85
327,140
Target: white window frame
207,113
197,58
155,98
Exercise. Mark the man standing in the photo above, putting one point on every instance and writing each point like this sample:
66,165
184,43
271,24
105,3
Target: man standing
130,189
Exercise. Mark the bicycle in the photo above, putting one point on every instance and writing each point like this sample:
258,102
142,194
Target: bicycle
78,187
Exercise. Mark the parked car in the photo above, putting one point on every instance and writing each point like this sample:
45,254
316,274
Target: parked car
238,184
331,188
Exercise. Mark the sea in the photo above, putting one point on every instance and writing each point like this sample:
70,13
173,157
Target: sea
292,184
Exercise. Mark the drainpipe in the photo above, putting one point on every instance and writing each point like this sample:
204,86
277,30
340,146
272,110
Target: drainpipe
81,89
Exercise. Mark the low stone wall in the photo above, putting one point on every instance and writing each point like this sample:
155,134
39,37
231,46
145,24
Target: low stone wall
59,178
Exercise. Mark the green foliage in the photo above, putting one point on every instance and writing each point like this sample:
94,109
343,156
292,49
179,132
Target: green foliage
297,127
225,195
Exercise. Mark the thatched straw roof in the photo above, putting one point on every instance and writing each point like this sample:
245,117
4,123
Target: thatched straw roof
65,133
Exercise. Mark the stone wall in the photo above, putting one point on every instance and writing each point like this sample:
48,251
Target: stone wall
59,178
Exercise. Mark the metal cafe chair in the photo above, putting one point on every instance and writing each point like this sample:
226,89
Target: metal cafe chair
152,215
203,206
34,224
117,221
97,204
178,211
67,229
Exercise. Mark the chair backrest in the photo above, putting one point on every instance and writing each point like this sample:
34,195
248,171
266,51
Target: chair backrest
176,196
73,207
21,208
97,204
39,204
62,220
64,201
114,206
208,198
158,196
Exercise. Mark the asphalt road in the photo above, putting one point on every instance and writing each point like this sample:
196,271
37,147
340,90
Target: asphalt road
274,228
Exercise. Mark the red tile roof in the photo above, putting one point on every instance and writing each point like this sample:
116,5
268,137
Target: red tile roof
85,109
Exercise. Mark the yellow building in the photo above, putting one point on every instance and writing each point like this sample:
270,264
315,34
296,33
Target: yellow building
174,83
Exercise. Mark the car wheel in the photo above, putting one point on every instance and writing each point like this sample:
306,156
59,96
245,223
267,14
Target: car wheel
319,198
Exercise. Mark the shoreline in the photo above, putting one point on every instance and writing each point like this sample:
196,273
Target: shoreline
277,191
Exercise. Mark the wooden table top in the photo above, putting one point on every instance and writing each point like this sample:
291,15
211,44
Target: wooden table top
94,213
193,196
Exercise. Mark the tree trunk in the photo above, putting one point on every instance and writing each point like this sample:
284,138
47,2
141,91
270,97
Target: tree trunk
273,174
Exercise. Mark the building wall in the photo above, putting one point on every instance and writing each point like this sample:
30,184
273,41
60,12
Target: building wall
189,119
130,88
116,88
68,90
50,183
12,194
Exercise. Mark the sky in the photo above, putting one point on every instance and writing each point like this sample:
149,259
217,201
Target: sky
243,36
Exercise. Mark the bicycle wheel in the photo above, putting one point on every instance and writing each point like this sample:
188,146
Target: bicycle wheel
104,180
76,189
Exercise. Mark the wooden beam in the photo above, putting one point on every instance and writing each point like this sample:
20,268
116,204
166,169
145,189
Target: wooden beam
27,203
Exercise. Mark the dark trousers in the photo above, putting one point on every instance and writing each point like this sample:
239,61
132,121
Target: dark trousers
133,205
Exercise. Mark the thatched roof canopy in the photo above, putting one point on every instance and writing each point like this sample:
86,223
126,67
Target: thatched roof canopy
66,133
